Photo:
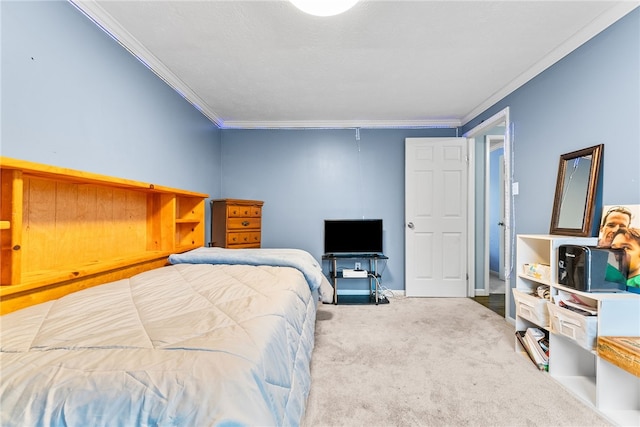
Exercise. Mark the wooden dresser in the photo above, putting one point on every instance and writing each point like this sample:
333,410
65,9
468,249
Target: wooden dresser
236,223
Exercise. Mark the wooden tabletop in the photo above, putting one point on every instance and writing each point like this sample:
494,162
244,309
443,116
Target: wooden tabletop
624,352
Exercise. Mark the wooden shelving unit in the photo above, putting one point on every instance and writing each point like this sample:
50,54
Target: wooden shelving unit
62,230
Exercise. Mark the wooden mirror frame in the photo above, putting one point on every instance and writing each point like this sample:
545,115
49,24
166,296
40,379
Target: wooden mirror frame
590,200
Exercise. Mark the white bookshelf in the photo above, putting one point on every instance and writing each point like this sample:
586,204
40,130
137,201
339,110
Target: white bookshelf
574,363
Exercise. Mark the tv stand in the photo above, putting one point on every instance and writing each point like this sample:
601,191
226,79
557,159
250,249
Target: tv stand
373,274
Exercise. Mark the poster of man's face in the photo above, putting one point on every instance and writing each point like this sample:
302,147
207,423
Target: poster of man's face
615,218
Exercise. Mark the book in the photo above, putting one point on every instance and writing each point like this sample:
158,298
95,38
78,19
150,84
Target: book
576,303
526,344
533,336
535,333
585,308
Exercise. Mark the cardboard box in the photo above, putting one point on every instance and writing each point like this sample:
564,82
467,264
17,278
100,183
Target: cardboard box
537,271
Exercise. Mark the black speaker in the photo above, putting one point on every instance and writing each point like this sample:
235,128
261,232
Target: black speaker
591,269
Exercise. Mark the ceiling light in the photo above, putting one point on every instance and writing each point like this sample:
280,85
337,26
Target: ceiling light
324,7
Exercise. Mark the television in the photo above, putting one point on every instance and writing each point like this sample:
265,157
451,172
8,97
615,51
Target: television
353,236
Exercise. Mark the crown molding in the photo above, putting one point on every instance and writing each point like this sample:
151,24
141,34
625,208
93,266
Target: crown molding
581,37
341,124
109,25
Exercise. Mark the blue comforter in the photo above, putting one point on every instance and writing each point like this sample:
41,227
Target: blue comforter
295,258
184,345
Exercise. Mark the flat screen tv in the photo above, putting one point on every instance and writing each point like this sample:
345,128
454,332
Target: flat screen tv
353,236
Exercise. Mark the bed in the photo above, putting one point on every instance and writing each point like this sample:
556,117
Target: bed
169,333
208,340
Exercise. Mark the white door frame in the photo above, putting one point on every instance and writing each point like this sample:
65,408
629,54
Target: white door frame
501,241
500,117
492,142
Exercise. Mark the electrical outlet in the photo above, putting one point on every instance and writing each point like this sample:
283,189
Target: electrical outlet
358,266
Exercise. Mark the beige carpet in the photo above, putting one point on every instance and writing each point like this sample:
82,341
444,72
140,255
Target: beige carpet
429,362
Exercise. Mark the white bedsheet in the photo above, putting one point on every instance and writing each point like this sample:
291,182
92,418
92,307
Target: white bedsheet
184,345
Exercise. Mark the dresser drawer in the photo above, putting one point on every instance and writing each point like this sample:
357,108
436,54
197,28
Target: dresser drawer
243,238
243,223
241,211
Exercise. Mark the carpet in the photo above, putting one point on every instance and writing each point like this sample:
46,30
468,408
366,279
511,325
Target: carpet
430,362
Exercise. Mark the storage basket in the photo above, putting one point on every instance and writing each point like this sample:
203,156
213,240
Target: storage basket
582,329
532,308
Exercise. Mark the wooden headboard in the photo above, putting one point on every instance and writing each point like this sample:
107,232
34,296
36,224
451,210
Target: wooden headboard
63,230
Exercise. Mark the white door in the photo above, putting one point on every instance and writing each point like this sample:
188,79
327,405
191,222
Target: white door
436,217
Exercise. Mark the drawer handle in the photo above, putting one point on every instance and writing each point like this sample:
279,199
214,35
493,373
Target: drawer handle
245,223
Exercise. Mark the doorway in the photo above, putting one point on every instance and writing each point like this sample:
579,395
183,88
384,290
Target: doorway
492,244
494,206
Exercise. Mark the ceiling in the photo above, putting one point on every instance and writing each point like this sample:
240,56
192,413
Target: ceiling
265,64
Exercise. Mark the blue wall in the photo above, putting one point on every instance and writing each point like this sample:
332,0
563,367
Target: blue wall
590,97
307,176
71,96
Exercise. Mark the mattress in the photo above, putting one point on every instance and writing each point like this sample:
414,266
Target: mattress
187,344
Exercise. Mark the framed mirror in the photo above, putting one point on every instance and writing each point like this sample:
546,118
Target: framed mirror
574,202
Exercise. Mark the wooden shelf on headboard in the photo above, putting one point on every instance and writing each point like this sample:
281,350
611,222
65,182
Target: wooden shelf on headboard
62,230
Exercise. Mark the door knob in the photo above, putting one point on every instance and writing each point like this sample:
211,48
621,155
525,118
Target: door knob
410,225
